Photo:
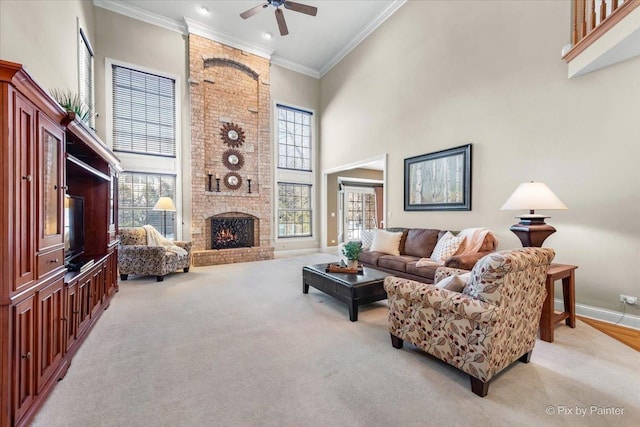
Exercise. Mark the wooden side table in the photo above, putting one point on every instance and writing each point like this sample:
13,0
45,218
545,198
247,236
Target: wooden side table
549,318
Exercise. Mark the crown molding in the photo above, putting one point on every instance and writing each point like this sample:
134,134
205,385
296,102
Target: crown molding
362,35
294,66
141,15
200,29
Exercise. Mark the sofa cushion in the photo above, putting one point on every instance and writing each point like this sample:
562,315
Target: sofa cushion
420,242
428,272
447,246
370,257
403,238
455,283
366,238
387,242
398,263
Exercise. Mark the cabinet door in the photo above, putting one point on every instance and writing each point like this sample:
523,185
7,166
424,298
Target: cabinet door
112,272
72,318
50,331
23,202
98,283
24,384
84,298
51,182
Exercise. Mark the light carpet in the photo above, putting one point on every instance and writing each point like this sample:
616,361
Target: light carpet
240,345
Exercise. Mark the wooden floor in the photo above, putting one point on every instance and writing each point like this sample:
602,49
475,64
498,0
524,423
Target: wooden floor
628,336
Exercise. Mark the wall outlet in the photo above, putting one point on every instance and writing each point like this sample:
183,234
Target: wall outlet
628,299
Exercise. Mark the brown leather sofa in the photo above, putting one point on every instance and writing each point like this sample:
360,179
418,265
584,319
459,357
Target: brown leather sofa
417,243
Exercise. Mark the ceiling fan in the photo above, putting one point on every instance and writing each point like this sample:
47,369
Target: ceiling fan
282,25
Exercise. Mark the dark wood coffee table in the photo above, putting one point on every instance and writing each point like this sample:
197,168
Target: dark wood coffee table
352,289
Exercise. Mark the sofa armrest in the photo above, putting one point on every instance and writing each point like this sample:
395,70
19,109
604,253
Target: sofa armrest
443,272
465,261
441,299
184,245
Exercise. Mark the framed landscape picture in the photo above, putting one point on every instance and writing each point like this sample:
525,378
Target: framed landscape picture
439,181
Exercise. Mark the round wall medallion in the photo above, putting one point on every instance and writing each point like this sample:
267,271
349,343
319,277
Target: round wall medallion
233,159
232,134
232,180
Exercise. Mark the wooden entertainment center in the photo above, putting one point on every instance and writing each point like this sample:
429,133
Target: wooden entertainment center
46,311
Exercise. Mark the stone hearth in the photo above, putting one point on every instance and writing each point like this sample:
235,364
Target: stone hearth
229,89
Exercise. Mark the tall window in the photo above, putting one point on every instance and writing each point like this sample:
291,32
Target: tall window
294,138
294,210
138,193
85,75
144,118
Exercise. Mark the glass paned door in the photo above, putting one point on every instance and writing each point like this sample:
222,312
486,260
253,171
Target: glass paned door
359,212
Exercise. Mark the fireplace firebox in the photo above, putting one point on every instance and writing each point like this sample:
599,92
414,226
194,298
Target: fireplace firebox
228,233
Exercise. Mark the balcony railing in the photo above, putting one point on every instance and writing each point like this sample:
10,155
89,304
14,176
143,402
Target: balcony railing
593,18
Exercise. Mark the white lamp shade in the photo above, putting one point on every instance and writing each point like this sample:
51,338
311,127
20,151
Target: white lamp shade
531,196
164,204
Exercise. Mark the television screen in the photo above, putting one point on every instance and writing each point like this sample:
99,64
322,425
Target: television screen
73,226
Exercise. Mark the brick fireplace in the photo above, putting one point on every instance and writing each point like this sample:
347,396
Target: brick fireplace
231,166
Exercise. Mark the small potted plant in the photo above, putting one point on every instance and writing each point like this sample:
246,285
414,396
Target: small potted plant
351,250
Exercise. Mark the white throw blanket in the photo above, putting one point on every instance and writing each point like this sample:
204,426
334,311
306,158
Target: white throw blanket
154,238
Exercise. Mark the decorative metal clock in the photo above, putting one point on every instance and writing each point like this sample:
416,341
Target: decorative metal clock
233,159
232,180
232,135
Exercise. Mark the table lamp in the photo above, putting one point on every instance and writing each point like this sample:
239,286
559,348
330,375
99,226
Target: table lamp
532,230
165,204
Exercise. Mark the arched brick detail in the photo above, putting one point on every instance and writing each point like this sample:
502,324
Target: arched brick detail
212,62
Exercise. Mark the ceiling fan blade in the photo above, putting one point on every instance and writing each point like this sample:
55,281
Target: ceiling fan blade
249,13
281,24
302,8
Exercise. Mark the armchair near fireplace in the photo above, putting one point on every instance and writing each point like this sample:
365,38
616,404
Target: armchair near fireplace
137,256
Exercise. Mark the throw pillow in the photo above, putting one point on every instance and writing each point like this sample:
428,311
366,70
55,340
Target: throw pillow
446,247
366,236
386,242
454,283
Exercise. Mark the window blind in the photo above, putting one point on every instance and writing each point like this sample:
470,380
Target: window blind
85,75
144,118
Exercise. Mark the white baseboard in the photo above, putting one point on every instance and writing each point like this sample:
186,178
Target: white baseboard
609,316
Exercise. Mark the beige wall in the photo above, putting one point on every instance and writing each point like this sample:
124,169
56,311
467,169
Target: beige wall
332,198
297,90
43,36
440,74
154,49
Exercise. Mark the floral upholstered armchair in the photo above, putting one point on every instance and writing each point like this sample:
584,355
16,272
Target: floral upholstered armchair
136,256
484,328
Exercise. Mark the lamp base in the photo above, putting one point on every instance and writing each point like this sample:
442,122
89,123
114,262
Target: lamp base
532,235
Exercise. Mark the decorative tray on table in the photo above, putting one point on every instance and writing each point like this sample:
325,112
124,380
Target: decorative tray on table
341,268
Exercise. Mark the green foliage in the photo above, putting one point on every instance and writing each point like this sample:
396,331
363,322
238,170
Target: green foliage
72,102
351,250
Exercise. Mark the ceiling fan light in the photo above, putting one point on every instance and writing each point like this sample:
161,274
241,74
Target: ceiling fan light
203,10
267,36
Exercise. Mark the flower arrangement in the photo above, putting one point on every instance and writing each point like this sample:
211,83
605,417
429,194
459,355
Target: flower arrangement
351,250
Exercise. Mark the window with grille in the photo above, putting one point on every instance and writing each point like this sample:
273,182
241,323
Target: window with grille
85,75
144,117
137,195
294,138
294,210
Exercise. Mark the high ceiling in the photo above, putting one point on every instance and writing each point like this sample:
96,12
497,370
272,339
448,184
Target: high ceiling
313,46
